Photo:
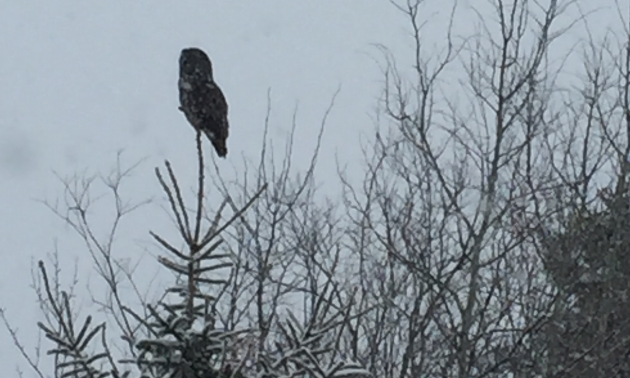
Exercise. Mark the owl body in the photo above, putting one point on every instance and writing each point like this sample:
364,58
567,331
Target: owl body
201,99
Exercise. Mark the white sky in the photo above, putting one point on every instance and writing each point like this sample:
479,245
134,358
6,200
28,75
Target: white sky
80,81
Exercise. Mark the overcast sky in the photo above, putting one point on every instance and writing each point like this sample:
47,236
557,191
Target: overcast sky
82,80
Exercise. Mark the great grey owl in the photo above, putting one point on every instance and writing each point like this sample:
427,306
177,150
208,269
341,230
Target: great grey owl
201,98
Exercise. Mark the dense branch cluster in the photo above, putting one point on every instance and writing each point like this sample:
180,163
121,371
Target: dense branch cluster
181,335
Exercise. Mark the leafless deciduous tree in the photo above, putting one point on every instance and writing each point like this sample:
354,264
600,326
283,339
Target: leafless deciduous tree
467,206
227,314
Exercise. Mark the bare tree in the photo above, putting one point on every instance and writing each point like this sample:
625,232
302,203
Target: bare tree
203,325
442,224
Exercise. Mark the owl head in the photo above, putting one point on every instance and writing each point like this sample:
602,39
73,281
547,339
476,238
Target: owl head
194,62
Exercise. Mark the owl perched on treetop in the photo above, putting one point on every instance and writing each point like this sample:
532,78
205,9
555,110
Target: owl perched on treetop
201,98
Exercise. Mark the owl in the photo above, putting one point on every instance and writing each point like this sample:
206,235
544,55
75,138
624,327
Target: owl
201,98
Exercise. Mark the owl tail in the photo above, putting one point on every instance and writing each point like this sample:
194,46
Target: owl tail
218,144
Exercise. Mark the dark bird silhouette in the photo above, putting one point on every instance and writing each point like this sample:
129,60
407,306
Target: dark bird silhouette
201,98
